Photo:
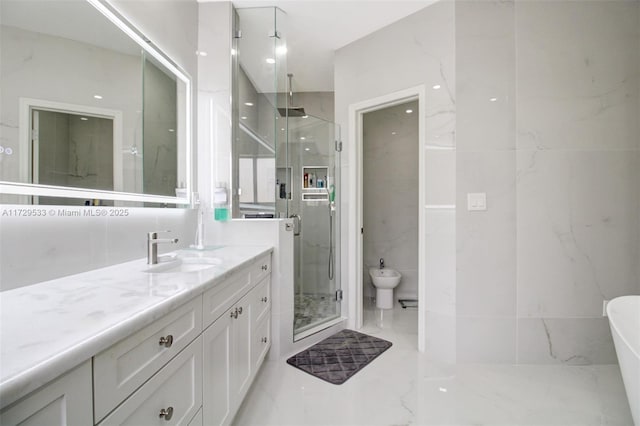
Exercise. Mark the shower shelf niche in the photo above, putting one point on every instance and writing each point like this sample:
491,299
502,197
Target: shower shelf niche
314,183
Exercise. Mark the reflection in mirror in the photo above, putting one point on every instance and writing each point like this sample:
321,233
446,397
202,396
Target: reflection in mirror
88,105
72,150
159,131
259,70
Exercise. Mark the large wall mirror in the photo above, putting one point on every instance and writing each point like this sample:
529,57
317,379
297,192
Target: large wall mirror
90,111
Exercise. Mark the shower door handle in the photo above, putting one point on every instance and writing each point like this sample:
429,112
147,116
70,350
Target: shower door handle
297,222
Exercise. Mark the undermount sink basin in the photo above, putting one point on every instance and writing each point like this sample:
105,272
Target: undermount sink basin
186,264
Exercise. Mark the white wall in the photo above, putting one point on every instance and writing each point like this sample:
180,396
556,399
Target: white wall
214,98
557,155
417,50
556,152
390,195
33,249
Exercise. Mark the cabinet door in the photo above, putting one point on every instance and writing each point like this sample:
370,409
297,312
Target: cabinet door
241,367
197,420
65,401
261,341
217,398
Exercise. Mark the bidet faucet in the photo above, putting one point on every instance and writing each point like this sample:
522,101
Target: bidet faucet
381,263
152,246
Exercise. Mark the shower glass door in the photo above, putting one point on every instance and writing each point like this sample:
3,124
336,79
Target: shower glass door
312,165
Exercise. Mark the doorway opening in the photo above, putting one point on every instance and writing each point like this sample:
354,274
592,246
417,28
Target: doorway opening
355,243
390,215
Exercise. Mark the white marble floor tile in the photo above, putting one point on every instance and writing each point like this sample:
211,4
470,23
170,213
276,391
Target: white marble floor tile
402,388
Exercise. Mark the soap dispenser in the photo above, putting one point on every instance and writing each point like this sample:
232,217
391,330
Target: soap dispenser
220,202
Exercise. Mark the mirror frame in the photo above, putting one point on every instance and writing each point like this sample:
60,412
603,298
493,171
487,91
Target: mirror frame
30,189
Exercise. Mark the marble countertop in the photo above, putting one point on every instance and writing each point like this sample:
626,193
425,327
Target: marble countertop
48,328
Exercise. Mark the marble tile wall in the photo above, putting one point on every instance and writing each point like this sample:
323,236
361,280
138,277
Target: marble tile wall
547,119
214,92
390,195
578,136
34,249
417,50
485,136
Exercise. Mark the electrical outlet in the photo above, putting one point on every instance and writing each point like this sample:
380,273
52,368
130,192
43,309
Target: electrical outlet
605,302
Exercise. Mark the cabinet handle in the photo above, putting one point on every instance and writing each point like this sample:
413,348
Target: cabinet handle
264,267
239,310
234,314
166,341
264,299
166,414
264,340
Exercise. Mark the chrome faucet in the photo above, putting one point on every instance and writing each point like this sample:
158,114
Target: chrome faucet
381,263
152,246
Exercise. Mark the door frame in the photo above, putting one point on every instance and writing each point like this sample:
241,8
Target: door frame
355,219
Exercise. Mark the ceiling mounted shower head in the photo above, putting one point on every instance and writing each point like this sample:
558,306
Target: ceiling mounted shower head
290,110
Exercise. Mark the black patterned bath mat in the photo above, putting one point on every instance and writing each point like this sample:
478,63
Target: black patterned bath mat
338,357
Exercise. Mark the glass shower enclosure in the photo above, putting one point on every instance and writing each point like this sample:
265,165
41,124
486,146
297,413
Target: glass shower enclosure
312,162
285,164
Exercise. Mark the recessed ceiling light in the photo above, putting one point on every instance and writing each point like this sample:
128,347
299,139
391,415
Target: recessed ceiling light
493,99
393,133
248,103
271,61
307,149
201,53
84,118
243,117
282,129
409,111
302,138
97,96
305,116
441,389
436,87
172,130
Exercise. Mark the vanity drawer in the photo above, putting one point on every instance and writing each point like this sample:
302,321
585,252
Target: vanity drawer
261,268
171,397
261,341
261,299
124,367
217,300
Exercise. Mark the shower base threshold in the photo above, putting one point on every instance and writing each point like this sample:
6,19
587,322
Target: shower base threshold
318,328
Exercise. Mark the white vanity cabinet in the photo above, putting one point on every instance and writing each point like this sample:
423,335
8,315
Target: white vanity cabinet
232,349
192,366
65,401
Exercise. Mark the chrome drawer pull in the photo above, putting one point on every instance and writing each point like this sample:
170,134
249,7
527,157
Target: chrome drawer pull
264,299
239,310
264,267
264,340
234,314
166,341
166,414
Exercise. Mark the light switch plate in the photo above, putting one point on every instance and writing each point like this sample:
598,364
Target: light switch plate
477,201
